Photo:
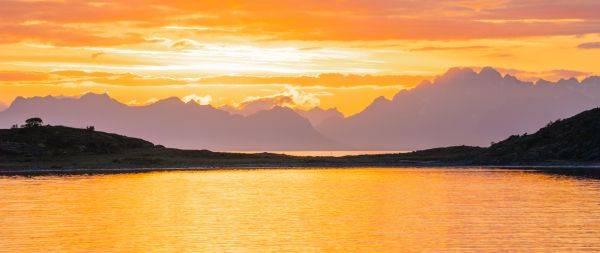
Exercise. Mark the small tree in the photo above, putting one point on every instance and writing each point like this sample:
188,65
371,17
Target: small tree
33,122
91,128
15,126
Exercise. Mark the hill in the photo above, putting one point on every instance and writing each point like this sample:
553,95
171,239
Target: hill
69,149
573,139
64,141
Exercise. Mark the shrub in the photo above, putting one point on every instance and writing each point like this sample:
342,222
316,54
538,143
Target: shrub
33,122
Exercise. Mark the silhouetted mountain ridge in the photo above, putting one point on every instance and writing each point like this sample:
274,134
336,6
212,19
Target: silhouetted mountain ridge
573,139
462,107
315,115
175,123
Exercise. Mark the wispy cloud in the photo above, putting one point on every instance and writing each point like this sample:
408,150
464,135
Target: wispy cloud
96,55
135,102
195,28
532,21
63,36
433,48
589,45
10,76
185,44
203,100
291,97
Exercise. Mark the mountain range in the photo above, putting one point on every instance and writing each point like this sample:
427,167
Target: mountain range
461,107
174,123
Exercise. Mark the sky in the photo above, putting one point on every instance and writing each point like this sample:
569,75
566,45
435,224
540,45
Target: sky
338,53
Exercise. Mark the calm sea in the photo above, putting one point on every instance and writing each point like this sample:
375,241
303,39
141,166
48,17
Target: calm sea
317,210
324,153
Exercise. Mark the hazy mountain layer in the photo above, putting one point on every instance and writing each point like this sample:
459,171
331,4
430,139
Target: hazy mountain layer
316,115
463,107
175,124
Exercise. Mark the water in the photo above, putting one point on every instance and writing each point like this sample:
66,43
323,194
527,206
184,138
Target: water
325,153
335,210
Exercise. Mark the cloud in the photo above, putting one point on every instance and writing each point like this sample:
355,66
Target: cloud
96,55
2,106
82,11
79,73
500,55
318,20
322,81
449,48
62,36
147,102
23,76
78,76
130,79
195,28
291,97
325,79
203,100
185,44
590,45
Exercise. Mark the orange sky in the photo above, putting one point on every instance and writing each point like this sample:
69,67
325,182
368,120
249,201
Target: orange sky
340,53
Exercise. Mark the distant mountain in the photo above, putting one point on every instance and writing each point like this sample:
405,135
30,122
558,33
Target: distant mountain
174,123
573,139
462,107
248,110
316,115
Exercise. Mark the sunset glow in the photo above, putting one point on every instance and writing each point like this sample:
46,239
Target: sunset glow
341,53
300,125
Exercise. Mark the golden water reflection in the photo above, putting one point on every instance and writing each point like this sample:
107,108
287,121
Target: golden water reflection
335,210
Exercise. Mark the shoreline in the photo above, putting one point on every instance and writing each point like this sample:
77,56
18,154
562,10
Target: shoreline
108,171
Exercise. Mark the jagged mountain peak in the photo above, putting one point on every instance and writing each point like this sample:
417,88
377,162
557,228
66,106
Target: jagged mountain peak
490,73
462,107
168,101
95,96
